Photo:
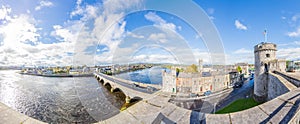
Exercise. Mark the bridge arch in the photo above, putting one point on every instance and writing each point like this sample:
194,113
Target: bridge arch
101,81
107,85
117,90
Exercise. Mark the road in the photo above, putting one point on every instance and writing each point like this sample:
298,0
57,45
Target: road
222,100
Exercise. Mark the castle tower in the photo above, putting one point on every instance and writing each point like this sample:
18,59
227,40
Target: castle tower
200,65
264,53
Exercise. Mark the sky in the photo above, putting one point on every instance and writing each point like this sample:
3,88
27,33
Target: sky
99,32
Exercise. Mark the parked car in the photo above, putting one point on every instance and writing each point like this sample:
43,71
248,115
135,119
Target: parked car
151,89
193,95
207,93
238,85
134,85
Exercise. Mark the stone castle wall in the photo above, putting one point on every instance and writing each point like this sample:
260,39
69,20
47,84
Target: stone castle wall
277,86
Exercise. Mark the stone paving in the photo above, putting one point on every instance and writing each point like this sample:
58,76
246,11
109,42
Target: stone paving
283,109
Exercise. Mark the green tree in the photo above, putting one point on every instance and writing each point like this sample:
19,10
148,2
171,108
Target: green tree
239,69
192,68
287,63
168,66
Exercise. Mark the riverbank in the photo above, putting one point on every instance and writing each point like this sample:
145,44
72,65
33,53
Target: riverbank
59,75
125,71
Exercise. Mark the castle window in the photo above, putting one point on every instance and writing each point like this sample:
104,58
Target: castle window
267,55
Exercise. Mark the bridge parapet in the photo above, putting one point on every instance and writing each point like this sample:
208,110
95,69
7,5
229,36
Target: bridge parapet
293,78
132,82
129,88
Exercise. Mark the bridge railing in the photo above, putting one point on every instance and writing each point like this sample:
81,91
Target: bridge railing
131,82
292,79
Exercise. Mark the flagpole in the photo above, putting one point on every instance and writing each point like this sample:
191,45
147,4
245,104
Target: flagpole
266,38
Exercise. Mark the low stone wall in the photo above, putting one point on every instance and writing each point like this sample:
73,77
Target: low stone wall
278,85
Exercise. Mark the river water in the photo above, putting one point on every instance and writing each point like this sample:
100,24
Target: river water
149,75
65,100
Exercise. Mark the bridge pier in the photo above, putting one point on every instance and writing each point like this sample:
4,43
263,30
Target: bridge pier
127,99
112,89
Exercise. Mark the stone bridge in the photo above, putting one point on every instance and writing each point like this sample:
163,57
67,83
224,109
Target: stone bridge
130,89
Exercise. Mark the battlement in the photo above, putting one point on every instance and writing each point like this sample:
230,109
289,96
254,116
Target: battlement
264,46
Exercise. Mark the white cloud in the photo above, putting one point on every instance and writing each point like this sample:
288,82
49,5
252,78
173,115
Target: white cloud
4,12
79,10
239,25
283,17
295,17
243,51
161,37
151,16
75,37
289,53
106,30
43,3
18,33
155,58
295,33
135,35
297,42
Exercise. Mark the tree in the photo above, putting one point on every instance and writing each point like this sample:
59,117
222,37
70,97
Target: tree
239,69
192,68
287,63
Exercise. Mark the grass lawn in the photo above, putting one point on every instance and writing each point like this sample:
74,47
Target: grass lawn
238,105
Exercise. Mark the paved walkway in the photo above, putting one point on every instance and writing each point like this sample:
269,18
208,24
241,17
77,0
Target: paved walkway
10,116
283,109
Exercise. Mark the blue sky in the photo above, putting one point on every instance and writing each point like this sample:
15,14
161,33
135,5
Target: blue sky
55,32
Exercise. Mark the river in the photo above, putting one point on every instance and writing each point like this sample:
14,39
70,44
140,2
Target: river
65,100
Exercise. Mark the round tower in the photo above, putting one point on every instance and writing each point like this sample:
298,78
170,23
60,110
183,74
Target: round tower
264,53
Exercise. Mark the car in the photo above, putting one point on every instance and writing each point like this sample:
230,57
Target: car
151,89
206,93
193,95
134,85
238,85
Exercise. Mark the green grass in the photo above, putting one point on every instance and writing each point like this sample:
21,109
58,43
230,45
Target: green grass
238,105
